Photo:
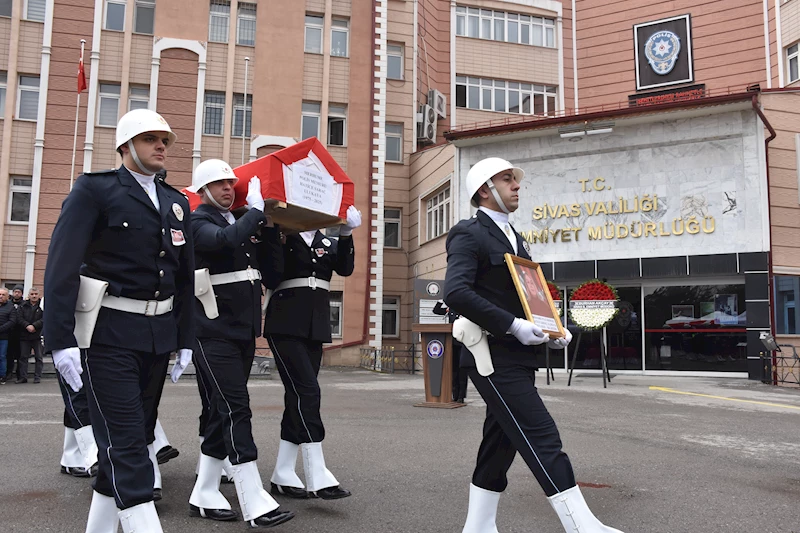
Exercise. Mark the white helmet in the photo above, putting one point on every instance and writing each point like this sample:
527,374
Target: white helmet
141,121
484,170
209,171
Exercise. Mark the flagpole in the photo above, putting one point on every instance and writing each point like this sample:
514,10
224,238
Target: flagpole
75,135
244,113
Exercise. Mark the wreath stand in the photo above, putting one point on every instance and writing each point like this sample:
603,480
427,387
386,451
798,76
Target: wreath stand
548,369
603,358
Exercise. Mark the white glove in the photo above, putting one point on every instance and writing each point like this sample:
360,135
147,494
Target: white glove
68,364
562,343
353,221
254,198
528,333
182,360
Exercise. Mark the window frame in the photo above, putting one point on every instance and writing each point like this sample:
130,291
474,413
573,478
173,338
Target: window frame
227,16
439,200
401,57
10,8
19,97
3,90
340,29
314,26
143,4
18,189
793,56
337,302
241,104
133,97
26,15
105,14
337,112
304,114
245,16
489,22
106,96
214,105
485,86
394,135
782,305
396,306
393,220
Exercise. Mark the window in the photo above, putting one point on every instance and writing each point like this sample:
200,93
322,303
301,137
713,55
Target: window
506,27
115,15
793,57
10,284
337,125
138,97
19,199
391,228
309,126
505,96
313,34
336,314
5,8
214,113
144,16
3,85
242,114
391,316
787,296
394,143
395,62
34,10
28,98
246,25
438,214
108,106
219,20
340,33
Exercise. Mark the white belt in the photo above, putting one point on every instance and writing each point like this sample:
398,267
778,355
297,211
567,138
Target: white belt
249,274
139,307
299,283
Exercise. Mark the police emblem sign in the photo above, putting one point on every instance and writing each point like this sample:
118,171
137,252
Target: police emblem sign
663,51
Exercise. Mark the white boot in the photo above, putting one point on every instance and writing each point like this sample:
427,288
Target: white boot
71,455
87,445
317,474
253,499
156,470
227,468
575,514
206,494
284,473
482,512
103,515
161,437
141,518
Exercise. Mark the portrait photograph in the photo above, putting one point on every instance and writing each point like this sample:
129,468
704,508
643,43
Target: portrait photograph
534,295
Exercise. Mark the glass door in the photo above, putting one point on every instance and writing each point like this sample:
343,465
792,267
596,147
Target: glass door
624,333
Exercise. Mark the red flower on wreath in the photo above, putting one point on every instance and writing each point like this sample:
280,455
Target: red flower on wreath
555,294
594,290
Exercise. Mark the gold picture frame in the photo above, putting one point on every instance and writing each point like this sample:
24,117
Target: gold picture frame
534,295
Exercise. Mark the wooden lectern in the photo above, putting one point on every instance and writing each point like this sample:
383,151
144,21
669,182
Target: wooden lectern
437,365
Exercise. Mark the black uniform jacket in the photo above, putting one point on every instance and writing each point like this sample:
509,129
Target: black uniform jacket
305,312
110,230
30,315
222,247
478,286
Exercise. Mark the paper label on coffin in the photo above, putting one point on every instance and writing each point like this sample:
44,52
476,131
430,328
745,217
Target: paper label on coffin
308,185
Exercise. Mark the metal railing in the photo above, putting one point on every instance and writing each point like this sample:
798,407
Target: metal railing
781,368
390,360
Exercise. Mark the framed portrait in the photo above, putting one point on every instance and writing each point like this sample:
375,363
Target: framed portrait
534,295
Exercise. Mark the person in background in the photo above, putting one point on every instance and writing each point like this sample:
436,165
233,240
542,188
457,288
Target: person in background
12,367
30,322
8,321
459,374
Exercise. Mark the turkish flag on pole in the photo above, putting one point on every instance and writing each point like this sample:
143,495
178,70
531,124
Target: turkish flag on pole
81,75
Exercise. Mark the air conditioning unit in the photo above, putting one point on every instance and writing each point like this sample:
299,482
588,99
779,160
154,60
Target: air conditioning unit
438,102
426,124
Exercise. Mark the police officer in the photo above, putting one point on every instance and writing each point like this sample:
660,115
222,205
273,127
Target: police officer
479,287
296,325
131,230
240,255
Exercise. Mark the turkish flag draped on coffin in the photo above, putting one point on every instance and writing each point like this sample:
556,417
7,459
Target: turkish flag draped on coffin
310,187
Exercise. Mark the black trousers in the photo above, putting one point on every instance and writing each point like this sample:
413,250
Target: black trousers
76,405
124,388
459,374
225,365
298,361
518,421
205,396
25,348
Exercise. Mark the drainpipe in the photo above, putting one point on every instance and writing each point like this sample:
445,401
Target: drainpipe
770,277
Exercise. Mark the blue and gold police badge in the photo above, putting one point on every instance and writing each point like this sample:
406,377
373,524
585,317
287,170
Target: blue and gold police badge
661,50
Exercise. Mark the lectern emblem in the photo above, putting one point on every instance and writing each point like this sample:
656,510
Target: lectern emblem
435,349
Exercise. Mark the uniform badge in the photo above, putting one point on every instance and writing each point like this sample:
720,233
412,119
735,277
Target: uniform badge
178,210
320,252
661,50
177,237
326,242
526,246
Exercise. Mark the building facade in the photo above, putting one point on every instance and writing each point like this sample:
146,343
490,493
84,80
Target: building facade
635,97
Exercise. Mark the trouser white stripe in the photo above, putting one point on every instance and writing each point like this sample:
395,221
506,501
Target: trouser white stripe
286,368
219,389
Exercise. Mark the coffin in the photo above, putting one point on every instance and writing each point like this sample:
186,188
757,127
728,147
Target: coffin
311,189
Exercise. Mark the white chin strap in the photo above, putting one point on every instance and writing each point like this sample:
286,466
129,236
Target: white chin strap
136,160
497,198
214,200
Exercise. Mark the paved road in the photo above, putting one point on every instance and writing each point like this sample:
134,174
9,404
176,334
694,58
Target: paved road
665,462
